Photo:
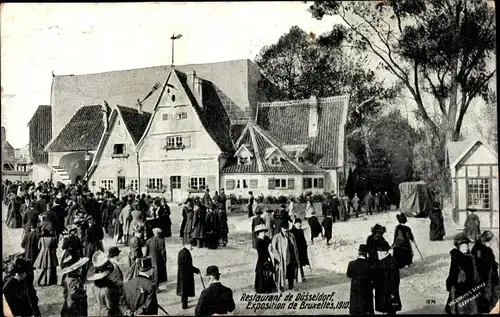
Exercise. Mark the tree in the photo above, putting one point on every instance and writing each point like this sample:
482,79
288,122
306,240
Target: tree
391,152
439,48
300,65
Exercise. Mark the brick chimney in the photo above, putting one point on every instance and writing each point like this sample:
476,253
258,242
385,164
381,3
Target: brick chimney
195,85
105,115
139,108
313,116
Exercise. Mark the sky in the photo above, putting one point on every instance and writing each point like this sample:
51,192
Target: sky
38,39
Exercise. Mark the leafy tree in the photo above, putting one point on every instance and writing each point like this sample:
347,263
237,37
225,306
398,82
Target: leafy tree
300,65
435,47
391,140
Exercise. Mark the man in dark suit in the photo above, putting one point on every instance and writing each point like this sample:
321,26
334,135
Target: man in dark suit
140,291
334,207
185,274
361,274
216,299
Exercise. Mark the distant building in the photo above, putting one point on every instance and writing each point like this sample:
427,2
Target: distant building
73,149
474,174
205,127
13,168
115,165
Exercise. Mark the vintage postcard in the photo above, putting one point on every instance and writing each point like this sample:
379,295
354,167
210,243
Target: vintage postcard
249,158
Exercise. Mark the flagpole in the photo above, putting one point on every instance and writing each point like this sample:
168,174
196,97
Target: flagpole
173,38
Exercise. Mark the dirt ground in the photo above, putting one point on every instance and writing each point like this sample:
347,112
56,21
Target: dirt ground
422,287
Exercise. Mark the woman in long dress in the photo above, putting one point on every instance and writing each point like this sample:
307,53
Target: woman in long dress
264,280
46,261
136,244
314,225
436,227
187,229
165,221
462,278
403,252
257,220
14,219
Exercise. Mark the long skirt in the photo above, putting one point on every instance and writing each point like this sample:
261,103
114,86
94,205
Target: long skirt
403,257
264,279
134,271
46,276
14,219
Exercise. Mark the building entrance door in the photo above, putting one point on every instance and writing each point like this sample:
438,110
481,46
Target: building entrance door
121,186
175,188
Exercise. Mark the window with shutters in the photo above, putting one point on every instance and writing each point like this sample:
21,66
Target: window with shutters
230,184
276,161
243,160
177,142
197,183
242,183
280,183
313,182
254,183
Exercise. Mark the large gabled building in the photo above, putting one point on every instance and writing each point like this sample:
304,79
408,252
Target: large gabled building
40,134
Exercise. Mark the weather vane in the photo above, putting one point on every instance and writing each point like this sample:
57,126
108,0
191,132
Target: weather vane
173,38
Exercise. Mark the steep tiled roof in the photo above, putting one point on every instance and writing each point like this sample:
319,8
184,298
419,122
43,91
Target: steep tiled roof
289,122
40,133
236,130
234,81
83,132
135,122
260,142
212,115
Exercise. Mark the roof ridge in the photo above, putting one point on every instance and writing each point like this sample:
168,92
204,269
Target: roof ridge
277,146
133,109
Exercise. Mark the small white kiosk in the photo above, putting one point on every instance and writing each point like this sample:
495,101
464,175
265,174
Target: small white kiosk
474,176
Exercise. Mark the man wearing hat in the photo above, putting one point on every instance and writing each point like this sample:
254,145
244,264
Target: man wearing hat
140,291
286,257
30,244
327,225
117,274
185,274
217,298
18,292
211,227
361,274
386,280
300,239
75,294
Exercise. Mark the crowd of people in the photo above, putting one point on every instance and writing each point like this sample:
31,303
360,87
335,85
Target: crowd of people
50,214
77,220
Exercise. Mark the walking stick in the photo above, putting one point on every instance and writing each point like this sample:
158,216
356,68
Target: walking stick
416,247
202,283
163,309
310,269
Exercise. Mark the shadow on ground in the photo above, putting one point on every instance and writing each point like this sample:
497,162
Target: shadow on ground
429,263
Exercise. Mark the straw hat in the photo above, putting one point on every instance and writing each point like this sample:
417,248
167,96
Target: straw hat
100,262
74,266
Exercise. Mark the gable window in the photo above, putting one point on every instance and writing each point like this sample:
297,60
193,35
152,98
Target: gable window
119,149
479,195
155,183
107,184
182,115
313,182
275,160
164,116
243,160
175,142
197,183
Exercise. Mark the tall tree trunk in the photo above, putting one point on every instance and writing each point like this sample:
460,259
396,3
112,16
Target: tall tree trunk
453,106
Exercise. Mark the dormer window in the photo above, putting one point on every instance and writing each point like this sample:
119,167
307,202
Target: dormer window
275,160
243,160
